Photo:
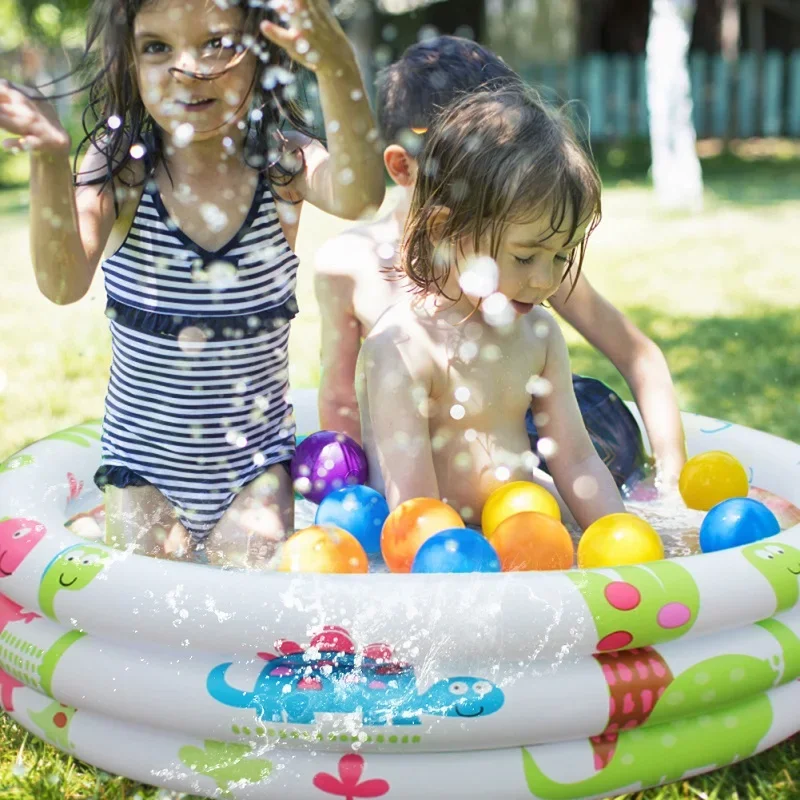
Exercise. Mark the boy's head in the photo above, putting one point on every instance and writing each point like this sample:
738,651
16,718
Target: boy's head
501,176
414,89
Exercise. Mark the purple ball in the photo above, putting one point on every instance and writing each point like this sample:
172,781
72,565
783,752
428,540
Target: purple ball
327,461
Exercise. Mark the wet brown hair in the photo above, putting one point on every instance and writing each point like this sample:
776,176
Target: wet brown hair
494,158
108,60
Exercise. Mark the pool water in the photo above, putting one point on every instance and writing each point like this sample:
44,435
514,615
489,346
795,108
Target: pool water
677,525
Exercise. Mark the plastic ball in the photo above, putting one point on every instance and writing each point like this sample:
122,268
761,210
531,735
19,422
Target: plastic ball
618,539
326,461
709,478
323,549
411,524
456,550
532,541
514,498
358,510
736,522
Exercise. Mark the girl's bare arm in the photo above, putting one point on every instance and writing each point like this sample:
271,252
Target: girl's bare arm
581,477
346,180
68,227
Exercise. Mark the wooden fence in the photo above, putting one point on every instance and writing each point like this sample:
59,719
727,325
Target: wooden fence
745,98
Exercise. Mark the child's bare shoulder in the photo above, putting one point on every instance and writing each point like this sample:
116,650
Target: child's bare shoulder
360,253
397,334
540,324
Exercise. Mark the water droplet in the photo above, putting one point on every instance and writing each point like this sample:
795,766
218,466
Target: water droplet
585,487
137,151
467,351
538,386
183,135
497,311
114,122
462,394
458,411
192,339
547,447
479,279
356,95
213,216
302,46
502,473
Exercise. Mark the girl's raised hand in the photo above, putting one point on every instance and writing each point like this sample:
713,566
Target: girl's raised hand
33,120
312,36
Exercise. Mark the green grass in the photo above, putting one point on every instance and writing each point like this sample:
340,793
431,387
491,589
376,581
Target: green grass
718,291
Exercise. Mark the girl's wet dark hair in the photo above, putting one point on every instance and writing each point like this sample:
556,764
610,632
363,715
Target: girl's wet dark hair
491,159
115,117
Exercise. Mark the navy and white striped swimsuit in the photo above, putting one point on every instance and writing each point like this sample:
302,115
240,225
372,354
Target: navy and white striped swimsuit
196,402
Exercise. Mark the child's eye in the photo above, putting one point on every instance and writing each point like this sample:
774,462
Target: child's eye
563,258
221,43
154,49
528,260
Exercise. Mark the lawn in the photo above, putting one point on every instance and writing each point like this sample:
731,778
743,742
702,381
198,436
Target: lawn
718,291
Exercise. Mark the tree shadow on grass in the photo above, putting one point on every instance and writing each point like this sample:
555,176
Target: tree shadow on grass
743,369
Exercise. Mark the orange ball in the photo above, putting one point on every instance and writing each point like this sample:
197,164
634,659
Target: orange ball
531,540
411,524
323,548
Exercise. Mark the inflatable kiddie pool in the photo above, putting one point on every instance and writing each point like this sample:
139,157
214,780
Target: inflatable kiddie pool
545,685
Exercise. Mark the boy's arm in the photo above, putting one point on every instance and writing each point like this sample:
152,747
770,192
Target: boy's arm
397,391
581,477
340,343
640,362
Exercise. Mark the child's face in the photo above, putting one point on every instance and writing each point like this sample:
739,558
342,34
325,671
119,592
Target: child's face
175,39
531,262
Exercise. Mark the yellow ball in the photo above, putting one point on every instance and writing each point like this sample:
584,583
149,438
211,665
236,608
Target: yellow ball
618,539
709,478
514,498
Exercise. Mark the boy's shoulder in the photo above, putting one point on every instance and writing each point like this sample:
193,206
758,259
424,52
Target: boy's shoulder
364,249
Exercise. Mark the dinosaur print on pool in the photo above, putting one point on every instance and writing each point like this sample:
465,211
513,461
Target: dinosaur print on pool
780,565
330,677
661,727
645,605
10,612
71,570
55,720
226,764
18,537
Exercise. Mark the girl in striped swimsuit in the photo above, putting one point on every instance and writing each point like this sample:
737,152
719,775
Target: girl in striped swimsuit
194,186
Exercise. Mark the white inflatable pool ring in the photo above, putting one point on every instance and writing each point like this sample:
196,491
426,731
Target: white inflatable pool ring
245,685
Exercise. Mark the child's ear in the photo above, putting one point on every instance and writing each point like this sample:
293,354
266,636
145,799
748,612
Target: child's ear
401,166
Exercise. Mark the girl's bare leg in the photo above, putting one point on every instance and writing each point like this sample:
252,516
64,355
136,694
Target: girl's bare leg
141,516
258,520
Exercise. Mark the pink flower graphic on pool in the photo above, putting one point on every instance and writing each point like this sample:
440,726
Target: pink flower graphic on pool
347,784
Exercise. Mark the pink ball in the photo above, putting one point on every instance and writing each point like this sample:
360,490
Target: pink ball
327,461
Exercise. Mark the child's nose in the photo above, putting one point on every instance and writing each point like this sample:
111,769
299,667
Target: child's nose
186,65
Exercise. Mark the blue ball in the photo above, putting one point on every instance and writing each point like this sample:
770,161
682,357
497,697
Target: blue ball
736,522
456,550
358,510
